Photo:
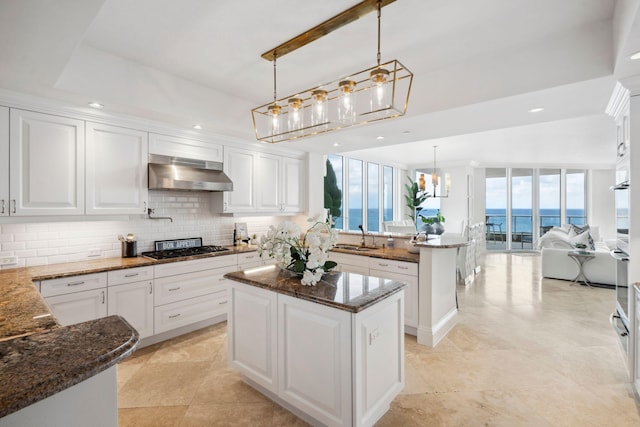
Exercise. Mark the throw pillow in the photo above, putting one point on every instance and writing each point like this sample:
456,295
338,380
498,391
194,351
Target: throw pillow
574,230
584,238
560,229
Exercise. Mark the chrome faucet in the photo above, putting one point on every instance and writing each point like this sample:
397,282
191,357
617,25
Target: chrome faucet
361,229
363,242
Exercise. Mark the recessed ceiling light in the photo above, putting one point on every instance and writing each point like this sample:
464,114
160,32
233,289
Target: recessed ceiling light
336,144
95,104
406,131
635,56
379,137
536,110
197,127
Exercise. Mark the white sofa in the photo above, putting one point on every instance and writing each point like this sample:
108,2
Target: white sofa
556,263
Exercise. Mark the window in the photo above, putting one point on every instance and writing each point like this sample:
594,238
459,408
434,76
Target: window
354,194
387,193
549,204
336,164
523,204
373,197
369,195
576,197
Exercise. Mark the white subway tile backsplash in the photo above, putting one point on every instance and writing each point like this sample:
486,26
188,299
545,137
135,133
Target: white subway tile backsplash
13,246
53,242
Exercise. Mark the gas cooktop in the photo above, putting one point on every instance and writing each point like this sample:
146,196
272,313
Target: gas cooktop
177,248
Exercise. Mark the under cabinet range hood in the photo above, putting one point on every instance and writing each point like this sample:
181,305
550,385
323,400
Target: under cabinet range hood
178,173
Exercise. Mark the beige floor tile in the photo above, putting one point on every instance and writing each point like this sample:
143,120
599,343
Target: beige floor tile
243,414
526,351
161,416
163,384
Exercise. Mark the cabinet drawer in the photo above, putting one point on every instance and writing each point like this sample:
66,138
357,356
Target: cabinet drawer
183,313
249,258
401,267
176,288
181,267
129,275
67,285
355,260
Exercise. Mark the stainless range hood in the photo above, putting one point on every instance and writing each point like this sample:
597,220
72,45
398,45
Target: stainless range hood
178,173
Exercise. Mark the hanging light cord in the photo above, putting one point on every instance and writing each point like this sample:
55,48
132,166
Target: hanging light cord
274,78
379,14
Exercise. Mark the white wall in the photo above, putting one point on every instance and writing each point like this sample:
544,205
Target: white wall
41,241
601,202
454,208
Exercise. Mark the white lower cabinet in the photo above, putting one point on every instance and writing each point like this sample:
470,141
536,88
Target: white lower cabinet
332,366
79,307
351,263
187,292
401,271
635,340
134,302
253,316
76,299
314,335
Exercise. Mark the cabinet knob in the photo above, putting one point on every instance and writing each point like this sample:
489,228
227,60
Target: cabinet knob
14,205
2,206
102,297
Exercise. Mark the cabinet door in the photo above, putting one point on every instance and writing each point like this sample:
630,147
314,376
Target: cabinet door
410,293
4,161
269,195
181,147
252,331
47,164
312,335
292,185
239,165
79,306
134,302
116,170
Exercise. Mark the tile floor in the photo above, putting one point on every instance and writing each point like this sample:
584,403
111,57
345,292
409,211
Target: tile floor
526,352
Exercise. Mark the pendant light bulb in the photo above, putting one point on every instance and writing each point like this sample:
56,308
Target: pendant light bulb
319,113
347,104
295,117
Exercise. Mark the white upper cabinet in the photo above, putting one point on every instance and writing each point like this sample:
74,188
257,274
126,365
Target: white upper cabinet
240,166
292,185
46,175
269,193
174,146
116,170
280,183
4,161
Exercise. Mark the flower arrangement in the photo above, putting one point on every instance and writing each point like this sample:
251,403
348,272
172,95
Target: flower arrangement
306,255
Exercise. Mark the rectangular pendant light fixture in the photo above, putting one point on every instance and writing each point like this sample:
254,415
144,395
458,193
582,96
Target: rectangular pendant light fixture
376,93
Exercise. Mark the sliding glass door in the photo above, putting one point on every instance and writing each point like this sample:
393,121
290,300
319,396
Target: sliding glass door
521,204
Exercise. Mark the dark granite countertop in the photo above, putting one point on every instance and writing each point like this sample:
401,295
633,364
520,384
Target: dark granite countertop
40,365
38,357
345,291
397,254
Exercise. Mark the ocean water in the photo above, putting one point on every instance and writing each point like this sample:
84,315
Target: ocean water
522,219
373,215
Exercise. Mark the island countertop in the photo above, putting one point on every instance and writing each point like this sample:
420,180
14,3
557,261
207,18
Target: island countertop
342,290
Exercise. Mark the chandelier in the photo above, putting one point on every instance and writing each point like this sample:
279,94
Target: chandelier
376,93
435,180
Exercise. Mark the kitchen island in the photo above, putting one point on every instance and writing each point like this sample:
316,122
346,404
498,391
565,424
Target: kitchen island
331,353
437,301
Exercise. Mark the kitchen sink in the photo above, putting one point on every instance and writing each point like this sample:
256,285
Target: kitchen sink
355,248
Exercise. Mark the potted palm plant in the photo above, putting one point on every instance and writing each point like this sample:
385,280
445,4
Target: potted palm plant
414,198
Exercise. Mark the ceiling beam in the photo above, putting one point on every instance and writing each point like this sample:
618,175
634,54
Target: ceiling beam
328,26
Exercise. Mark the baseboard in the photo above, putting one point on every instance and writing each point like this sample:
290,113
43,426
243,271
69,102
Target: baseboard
154,339
432,336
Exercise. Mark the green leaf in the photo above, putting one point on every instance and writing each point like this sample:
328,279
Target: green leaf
329,265
298,266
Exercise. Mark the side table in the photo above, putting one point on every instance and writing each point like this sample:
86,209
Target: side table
581,258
